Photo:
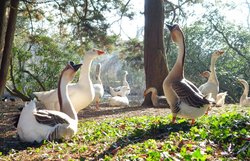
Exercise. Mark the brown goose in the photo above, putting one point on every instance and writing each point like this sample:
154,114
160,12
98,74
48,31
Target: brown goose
183,96
156,100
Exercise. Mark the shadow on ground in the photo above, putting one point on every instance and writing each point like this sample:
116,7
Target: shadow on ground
157,132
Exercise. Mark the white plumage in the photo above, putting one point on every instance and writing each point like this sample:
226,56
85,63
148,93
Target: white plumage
37,125
98,87
81,93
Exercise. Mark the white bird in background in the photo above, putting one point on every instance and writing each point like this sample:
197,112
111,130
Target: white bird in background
212,84
244,99
81,93
99,91
120,100
117,91
220,98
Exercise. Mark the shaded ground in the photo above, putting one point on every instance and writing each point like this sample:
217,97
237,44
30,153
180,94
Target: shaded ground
9,110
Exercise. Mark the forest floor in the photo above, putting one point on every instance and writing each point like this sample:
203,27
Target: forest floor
9,110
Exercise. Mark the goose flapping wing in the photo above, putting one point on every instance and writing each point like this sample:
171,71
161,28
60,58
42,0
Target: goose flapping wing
50,118
187,93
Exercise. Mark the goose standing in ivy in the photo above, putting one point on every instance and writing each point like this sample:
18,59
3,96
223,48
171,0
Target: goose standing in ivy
183,96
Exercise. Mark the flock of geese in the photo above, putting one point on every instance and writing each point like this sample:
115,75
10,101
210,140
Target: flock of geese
59,118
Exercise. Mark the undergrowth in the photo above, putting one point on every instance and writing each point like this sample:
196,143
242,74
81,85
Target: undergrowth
217,137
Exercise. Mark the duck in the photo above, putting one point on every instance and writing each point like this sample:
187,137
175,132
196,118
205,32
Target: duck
99,90
117,91
156,100
220,97
120,100
184,98
244,99
81,93
212,84
35,125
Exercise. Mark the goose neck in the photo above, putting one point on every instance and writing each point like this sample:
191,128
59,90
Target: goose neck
213,76
66,105
85,70
178,68
98,77
246,89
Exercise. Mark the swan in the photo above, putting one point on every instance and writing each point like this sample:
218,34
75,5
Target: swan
244,99
117,91
99,91
81,93
156,100
212,84
120,100
37,125
183,96
220,97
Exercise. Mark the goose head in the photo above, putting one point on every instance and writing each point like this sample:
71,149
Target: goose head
151,89
70,70
243,82
176,34
93,53
222,95
124,89
217,54
205,74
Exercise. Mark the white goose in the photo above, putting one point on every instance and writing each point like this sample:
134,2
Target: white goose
37,125
99,91
244,99
117,91
212,85
81,93
220,97
184,98
120,100
156,100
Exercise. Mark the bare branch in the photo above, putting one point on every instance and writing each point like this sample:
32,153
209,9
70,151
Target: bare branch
34,77
228,43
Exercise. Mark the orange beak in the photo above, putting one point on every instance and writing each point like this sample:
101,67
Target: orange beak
100,52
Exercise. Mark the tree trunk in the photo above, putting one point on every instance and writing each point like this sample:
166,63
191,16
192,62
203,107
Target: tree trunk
9,36
155,65
3,19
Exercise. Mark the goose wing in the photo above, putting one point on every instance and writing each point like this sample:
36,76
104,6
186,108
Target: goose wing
50,118
187,93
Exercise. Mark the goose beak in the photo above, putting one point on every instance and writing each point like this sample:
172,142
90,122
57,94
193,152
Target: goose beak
169,27
221,52
76,66
100,52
